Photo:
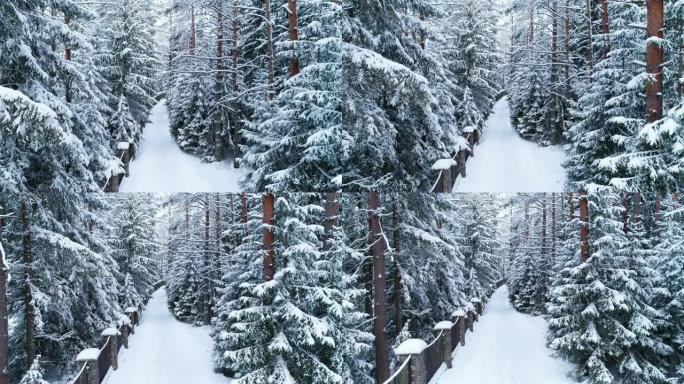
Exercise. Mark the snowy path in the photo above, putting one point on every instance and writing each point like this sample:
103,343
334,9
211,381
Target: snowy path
507,347
161,166
505,162
165,351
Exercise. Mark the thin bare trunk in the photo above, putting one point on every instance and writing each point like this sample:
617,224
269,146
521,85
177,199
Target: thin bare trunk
29,310
4,316
269,49
379,316
269,236
654,60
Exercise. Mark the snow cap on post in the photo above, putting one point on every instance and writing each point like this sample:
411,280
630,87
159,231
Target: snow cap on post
444,164
111,332
411,347
475,300
88,354
122,145
458,313
444,326
130,310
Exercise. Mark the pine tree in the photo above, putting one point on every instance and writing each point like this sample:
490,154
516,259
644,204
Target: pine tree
128,63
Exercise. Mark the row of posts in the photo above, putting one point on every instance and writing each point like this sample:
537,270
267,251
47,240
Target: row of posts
126,152
414,349
449,169
90,356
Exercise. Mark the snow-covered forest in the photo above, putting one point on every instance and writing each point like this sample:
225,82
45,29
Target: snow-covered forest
321,96
605,78
321,288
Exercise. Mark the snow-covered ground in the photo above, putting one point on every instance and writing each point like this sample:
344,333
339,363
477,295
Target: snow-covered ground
507,347
161,166
505,162
165,351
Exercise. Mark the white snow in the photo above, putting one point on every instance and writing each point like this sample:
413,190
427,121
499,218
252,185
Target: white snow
111,332
444,164
161,166
130,310
505,162
458,313
165,351
507,347
123,145
88,354
444,325
411,347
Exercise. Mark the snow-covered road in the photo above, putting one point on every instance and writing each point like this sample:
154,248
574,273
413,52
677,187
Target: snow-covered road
165,351
161,166
505,162
507,347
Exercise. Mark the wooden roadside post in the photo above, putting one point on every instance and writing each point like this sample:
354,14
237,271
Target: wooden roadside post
89,356
445,181
113,335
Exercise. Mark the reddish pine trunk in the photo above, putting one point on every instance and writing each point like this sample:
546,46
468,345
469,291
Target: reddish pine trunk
269,236
398,320
554,69
654,61
378,250
584,229
293,33
4,326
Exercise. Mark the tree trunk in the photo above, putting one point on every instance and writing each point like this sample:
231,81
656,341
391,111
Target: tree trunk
527,219
243,213
625,214
605,26
218,233
219,153
269,49
396,233
544,253
293,34
67,57
554,232
187,220
4,326
530,35
208,267
571,205
29,310
269,236
332,214
584,229
378,250
568,31
554,73
654,60
235,87
590,35
193,31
